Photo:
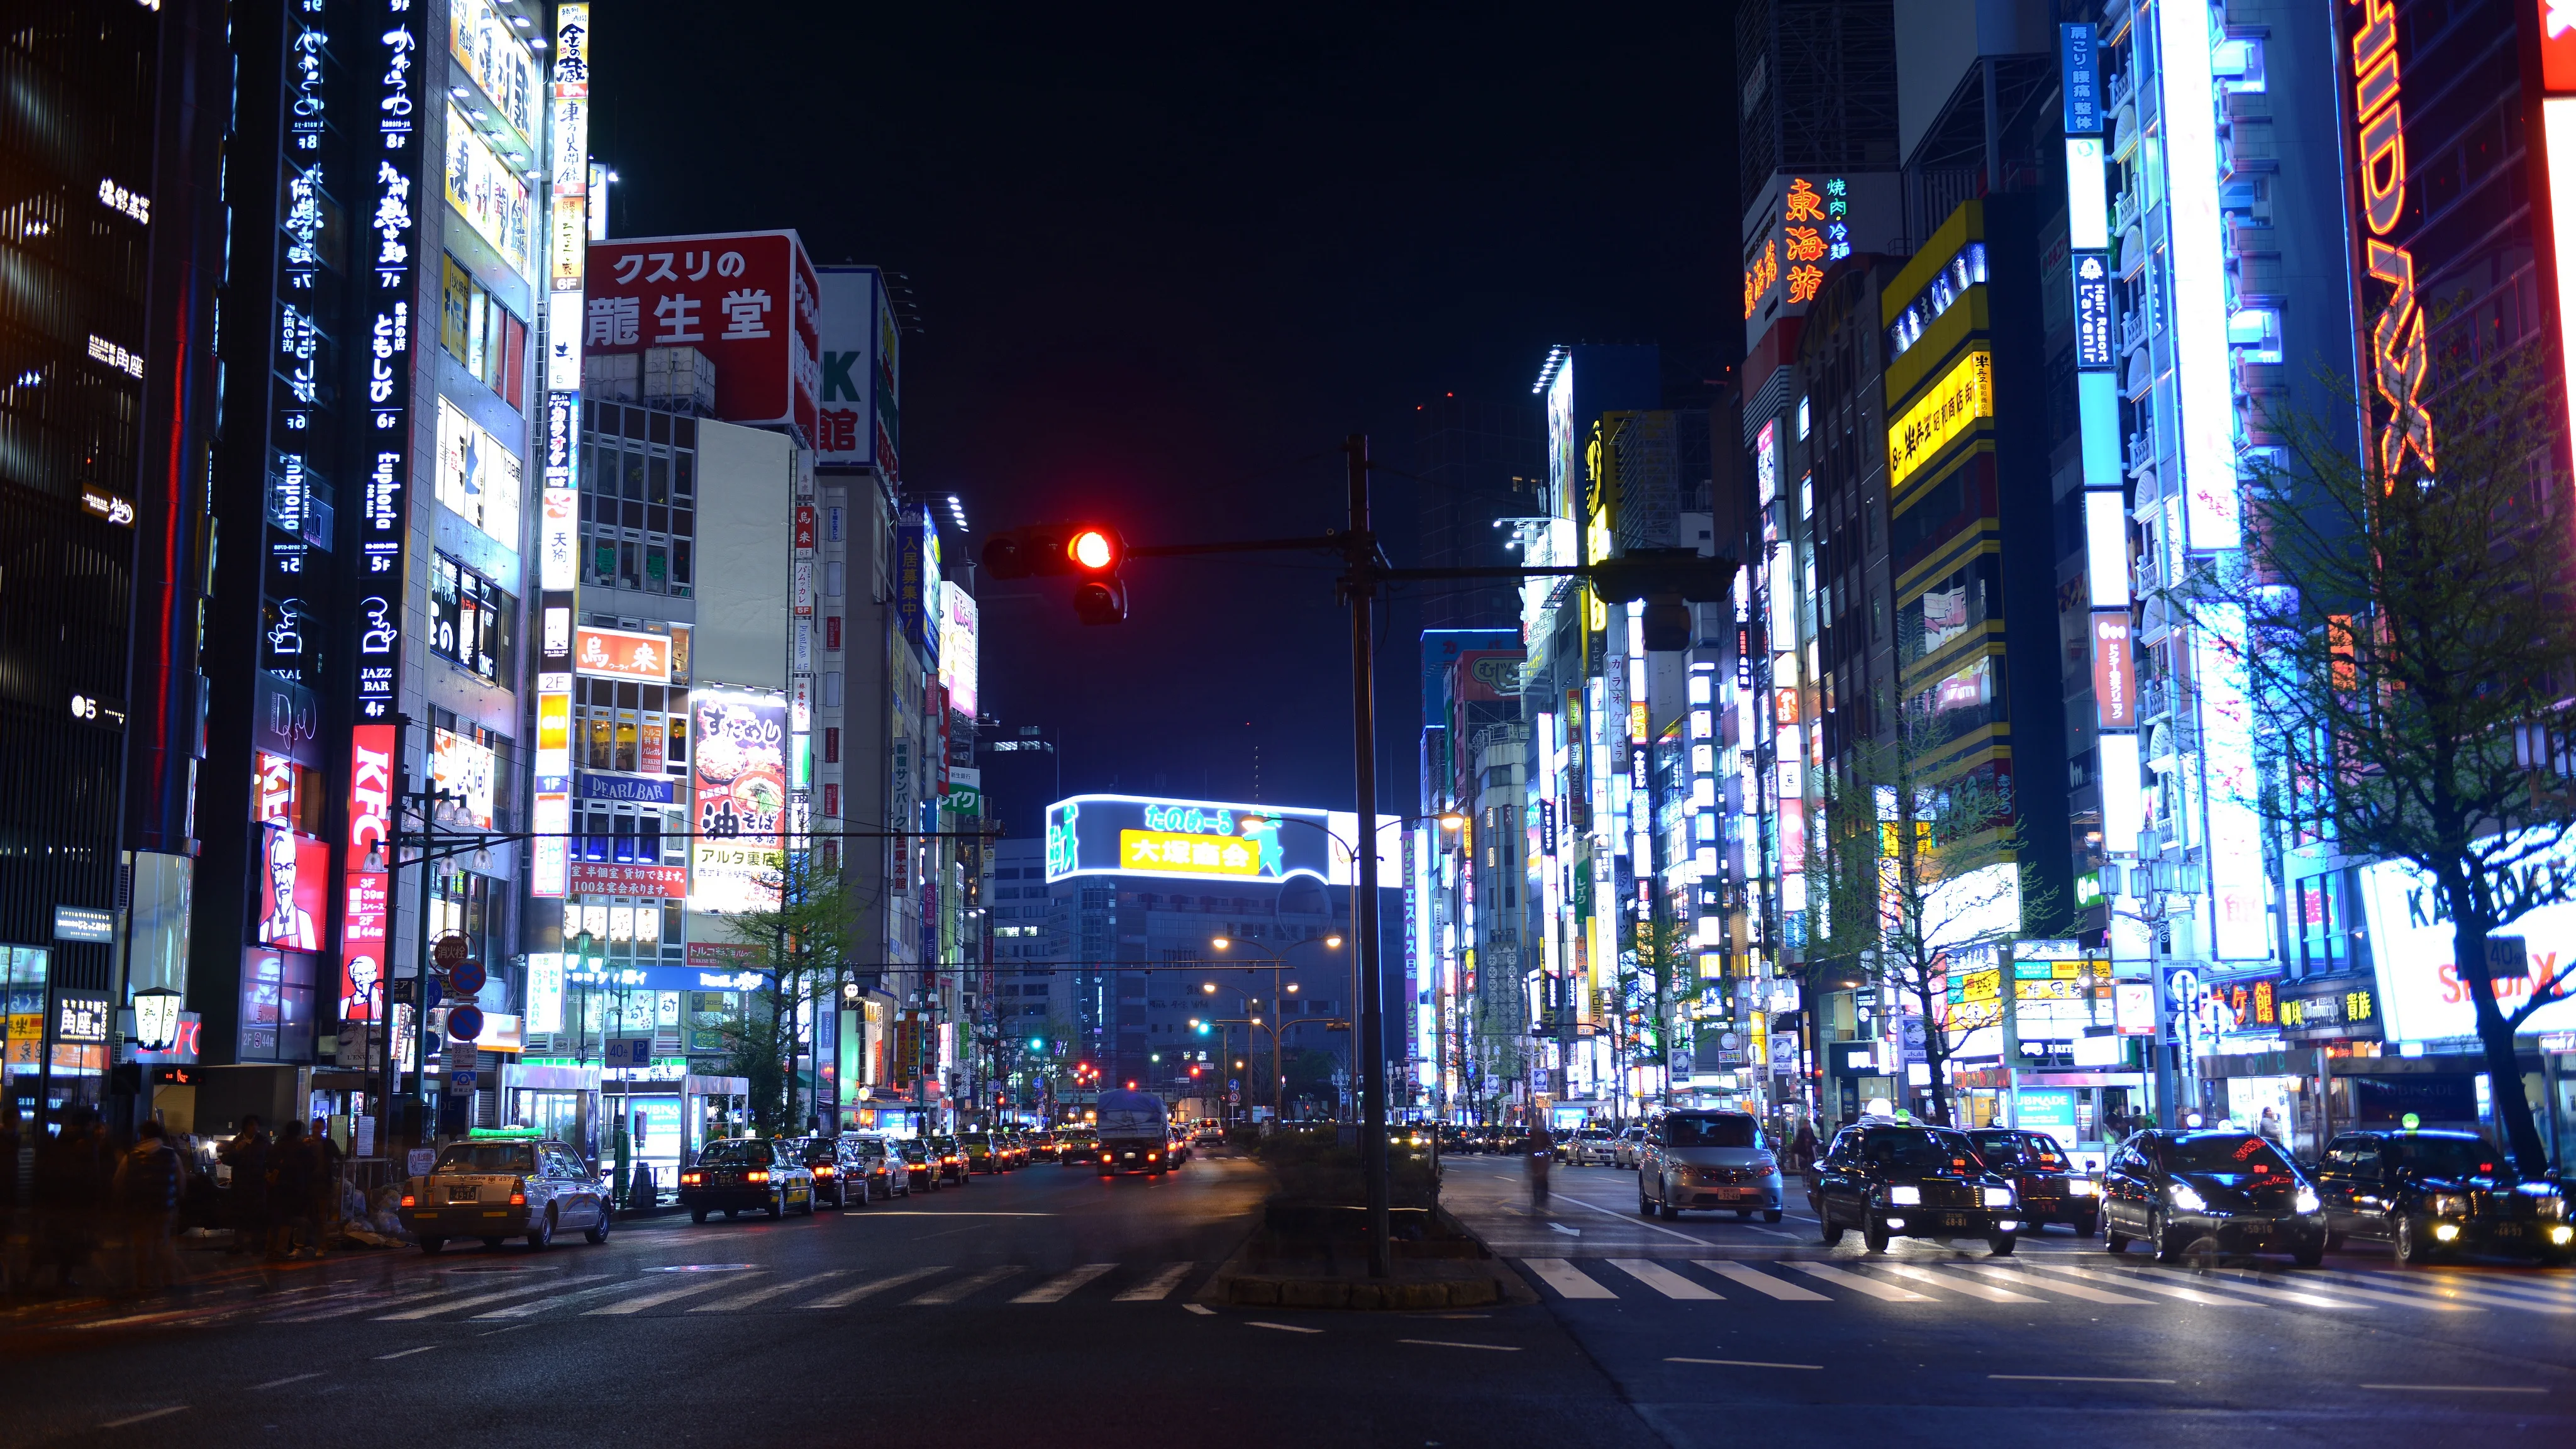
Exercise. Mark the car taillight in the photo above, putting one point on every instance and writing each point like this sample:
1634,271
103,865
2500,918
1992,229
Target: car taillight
1149,1157
407,1202
518,1192
688,1179
757,1174
823,1169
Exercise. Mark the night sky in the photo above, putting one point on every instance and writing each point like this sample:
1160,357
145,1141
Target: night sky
1163,266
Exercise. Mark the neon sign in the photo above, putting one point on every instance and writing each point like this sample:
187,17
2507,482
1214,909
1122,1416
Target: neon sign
1964,397
2397,353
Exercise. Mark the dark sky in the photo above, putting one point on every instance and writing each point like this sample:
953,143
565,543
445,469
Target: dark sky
1163,265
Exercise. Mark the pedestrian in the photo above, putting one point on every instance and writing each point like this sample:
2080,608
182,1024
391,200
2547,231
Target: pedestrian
1539,1155
247,1156
326,1185
1803,1146
290,1193
147,1193
71,1183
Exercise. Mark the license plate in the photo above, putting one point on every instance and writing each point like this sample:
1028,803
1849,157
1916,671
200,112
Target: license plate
464,1194
1954,1220
1735,1192
2508,1230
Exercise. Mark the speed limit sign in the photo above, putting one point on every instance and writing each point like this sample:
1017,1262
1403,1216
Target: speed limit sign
449,953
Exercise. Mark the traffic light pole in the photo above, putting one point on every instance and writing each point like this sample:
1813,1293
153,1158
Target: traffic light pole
1359,587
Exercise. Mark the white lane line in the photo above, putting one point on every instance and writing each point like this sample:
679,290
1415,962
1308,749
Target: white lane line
450,1305
2458,1388
140,1418
2170,1290
1761,1282
1979,1290
1562,1228
1282,1327
1054,1289
1858,1284
1452,1343
2072,1379
1565,1278
535,1306
763,1295
853,1294
1158,1287
1745,1363
406,1353
1775,1232
1664,1280
876,1213
289,1379
2051,1285
683,1289
955,1289
1201,1309
1635,1222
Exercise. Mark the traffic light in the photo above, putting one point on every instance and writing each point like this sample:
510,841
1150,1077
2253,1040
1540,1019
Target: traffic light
1670,580
1091,552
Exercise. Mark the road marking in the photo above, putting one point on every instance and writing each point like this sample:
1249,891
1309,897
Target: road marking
1569,1232
446,1305
2399,1300
1761,1282
1201,1309
535,1306
1282,1327
405,1353
2137,1281
763,1295
1157,1287
367,1303
2071,1290
850,1295
1054,1289
1775,1232
2459,1388
1745,1363
290,1379
1664,1280
1858,1284
1449,1343
960,1213
1980,1290
1565,1278
2483,1293
2271,1287
950,1292
2076,1379
657,1298
1635,1223
139,1418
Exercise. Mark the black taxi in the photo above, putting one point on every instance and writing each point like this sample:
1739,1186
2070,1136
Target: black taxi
735,1175
2052,1188
2227,1186
1919,1182
2429,1193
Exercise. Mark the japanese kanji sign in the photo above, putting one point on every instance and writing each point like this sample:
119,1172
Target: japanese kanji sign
748,300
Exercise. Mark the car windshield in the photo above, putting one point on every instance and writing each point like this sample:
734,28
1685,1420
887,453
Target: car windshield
914,1151
736,1153
2446,1156
2018,1148
486,1157
1712,1132
1919,1151
2223,1152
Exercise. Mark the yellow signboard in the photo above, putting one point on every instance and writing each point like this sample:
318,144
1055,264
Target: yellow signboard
1985,985
1172,850
1963,398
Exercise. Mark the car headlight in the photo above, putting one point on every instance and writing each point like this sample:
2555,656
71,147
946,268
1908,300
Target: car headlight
2449,1204
1999,1197
2083,1187
2186,1198
1905,1196
2304,1200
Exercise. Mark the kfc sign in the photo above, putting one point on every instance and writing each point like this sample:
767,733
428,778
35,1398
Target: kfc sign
748,300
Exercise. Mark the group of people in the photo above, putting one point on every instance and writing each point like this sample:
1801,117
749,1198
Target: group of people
103,1215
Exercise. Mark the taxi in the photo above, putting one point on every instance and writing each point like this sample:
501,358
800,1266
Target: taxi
2052,1190
502,1185
735,1175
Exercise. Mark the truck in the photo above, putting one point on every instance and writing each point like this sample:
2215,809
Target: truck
1135,1133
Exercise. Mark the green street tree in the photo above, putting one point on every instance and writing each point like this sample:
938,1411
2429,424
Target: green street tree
2405,622
805,944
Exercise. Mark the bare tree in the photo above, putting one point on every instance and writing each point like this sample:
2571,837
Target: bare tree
804,945
2405,622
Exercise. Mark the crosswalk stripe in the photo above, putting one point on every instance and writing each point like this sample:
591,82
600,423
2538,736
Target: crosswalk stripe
1761,1282
2071,1290
855,1292
1054,1289
2431,1303
536,1306
2169,1290
706,1283
1858,1284
1986,1291
366,1303
763,1295
2484,1292
1664,1280
947,1293
2265,1287
449,1305
1565,1278
1156,1288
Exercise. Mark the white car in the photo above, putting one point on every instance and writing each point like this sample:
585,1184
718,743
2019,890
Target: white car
502,1188
1628,1147
1593,1147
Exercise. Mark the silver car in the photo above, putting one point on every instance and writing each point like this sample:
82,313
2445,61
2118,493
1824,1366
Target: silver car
1592,1147
1628,1149
1708,1160
502,1188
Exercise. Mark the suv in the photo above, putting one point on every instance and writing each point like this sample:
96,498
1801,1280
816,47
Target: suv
734,1174
2431,1192
2052,1191
1708,1160
837,1166
1917,1182
2174,1189
498,1190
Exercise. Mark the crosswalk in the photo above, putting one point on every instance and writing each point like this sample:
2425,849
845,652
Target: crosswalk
1926,1285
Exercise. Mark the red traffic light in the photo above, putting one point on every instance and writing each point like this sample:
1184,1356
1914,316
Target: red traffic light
1094,550
1054,549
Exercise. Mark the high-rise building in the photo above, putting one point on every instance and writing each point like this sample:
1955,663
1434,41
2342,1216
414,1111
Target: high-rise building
1480,464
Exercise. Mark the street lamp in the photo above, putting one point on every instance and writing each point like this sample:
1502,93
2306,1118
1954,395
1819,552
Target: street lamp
1278,992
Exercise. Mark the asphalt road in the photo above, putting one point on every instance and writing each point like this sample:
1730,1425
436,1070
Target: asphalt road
1047,1306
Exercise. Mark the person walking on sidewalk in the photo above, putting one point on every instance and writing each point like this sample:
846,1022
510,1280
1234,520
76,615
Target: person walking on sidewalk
326,1184
1538,1156
147,1193
290,1193
247,1156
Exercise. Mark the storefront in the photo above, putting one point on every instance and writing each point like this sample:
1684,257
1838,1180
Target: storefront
2087,1112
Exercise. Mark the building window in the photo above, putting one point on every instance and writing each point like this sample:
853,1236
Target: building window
479,332
639,500
832,689
469,619
834,575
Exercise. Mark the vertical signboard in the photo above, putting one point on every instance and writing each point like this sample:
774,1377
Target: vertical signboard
2203,379
2558,131
369,854
559,501
2080,78
2239,930
2115,676
739,767
845,428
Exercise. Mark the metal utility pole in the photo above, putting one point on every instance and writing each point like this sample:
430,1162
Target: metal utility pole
1359,586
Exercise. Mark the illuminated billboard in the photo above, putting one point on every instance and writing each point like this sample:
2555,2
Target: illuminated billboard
489,193
749,301
739,766
296,904
622,654
461,771
1203,840
486,48
1962,399
959,624
2421,994
479,480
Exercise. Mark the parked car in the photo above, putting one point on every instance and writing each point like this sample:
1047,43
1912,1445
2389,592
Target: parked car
2430,1193
1708,1160
882,1167
1590,1147
2052,1190
2174,1189
738,1174
1918,1182
984,1152
1627,1147
921,1167
497,1190
838,1168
